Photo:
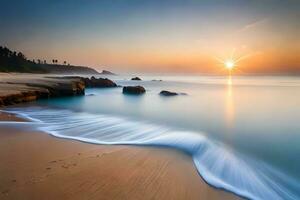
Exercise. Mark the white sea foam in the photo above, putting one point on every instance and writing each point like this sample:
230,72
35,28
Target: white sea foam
218,164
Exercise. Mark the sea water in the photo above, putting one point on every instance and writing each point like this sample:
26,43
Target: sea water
243,133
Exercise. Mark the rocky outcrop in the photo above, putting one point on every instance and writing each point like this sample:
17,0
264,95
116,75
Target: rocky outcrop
99,82
136,79
72,88
22,97
133,90
168,93
106,72
30,88
19,92
156,80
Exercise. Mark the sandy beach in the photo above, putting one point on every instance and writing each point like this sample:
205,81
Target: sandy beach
39,166
4,116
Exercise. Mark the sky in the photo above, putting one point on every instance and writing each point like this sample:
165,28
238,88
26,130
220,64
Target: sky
164,36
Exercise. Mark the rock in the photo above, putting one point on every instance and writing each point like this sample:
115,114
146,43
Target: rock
136,79
105,72
18,98
168,93
31,90
133,90
99,82
28,89
61,88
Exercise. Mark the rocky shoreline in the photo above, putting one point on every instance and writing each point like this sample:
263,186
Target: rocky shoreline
16,88
28,88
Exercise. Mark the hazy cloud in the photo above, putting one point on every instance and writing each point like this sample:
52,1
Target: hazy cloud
253,24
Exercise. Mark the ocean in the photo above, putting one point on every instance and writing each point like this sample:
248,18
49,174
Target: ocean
243,133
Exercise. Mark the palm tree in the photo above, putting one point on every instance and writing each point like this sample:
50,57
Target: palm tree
20,55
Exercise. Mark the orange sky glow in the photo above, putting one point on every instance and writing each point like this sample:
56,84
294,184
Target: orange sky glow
178,36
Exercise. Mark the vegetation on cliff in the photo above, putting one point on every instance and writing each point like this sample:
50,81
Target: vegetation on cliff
12,61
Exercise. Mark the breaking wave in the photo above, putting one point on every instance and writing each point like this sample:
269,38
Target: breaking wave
218,164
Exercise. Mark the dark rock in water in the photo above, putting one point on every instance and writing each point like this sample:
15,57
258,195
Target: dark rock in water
99,82
168,93
133,90
156,80
91,82
90,95
136,79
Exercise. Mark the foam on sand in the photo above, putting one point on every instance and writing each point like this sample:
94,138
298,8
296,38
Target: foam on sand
219,165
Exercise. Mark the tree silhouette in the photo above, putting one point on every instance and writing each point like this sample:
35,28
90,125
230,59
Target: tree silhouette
12,61
21,56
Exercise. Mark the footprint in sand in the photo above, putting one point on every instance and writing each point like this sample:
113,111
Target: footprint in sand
5,192
36,179
65,166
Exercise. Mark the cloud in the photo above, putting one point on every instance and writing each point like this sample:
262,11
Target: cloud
253,24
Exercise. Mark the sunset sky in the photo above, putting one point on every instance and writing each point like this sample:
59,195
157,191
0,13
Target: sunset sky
158,35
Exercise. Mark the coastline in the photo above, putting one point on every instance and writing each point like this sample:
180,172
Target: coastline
20,88
39,166
129,172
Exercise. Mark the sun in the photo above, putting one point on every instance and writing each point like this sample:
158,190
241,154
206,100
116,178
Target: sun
229,64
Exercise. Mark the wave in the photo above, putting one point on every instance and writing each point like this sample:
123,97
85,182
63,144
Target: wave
217,164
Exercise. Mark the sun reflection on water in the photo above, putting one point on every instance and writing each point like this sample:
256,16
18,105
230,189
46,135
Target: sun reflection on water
229,105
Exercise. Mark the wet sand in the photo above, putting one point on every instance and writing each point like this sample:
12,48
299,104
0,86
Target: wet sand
4,116
35,165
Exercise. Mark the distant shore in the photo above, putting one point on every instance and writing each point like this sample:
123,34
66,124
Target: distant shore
38,166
